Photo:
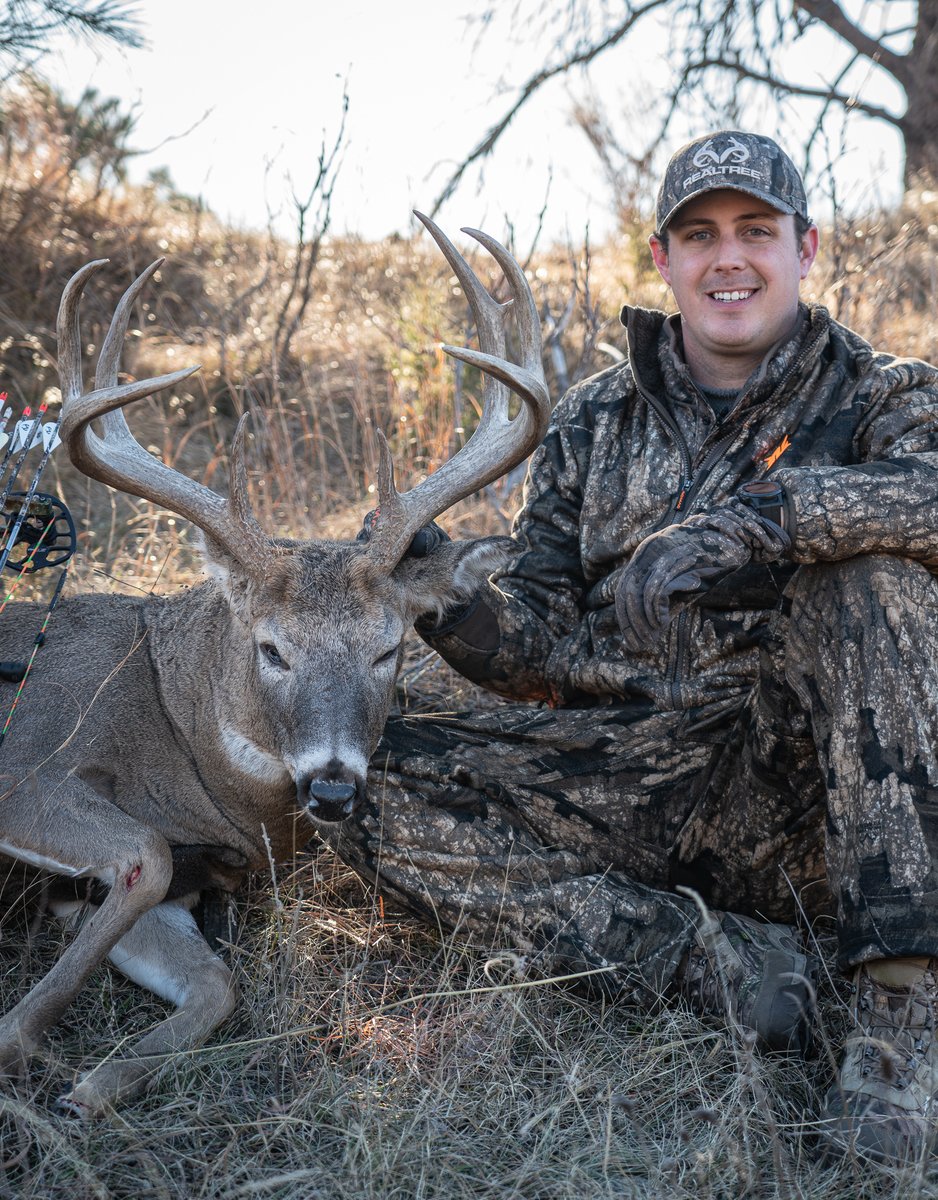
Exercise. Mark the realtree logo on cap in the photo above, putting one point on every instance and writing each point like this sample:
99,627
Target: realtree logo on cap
728,162
735,152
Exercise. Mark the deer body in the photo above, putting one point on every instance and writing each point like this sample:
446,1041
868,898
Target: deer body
160,724
169,745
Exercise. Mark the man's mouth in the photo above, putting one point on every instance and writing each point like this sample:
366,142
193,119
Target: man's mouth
731,297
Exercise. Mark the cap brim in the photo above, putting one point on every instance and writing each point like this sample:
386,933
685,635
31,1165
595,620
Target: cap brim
771,201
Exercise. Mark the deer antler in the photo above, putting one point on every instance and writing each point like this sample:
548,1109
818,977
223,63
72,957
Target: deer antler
498,443
117,458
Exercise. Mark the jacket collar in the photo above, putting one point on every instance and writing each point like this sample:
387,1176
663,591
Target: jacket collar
657,360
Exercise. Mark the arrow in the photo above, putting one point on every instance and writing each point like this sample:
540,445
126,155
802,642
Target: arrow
24,435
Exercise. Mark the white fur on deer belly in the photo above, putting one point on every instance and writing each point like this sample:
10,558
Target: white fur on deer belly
250,759
105,874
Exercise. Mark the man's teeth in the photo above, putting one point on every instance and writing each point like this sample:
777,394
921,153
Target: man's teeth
727,297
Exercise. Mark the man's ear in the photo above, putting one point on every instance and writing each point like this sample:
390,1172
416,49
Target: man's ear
659,252
807,251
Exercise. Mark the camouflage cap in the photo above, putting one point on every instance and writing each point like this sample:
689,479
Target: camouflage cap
745,162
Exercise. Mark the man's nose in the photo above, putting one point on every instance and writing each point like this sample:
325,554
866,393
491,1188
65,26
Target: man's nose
730,254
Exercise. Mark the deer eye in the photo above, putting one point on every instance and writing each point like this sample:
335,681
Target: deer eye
389,656
272,654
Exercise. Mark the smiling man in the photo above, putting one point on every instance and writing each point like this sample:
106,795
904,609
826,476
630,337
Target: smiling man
725,595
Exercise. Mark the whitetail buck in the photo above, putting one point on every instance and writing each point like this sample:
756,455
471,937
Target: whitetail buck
189,730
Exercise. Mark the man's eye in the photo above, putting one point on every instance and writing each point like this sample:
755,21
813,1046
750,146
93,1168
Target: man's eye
273,656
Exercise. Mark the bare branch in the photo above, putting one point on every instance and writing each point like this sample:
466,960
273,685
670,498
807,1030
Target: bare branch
826,106
724,41
832,15
580,58
826,94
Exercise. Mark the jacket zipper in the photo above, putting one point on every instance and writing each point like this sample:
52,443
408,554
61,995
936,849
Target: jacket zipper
691,482
681,633
689,488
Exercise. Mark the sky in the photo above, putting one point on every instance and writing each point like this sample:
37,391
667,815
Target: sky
235,98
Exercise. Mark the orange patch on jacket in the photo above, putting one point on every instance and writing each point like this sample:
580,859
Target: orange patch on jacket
772,459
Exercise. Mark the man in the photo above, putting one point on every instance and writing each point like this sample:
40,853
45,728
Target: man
723,596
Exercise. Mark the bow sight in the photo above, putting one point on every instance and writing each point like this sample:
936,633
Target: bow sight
46,535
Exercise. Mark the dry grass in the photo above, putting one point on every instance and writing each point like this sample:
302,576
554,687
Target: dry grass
372,1059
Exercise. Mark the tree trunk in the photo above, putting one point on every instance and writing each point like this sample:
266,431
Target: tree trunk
919,125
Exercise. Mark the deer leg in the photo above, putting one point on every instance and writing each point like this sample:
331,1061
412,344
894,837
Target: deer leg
75,832
164,952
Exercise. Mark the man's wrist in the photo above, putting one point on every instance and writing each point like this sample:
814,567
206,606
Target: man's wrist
473,625
432,625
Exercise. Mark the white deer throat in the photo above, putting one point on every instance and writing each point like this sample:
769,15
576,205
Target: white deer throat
250,759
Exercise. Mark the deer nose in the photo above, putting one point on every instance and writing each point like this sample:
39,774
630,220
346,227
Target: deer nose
332,794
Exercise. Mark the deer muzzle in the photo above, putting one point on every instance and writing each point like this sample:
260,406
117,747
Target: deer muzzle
332,795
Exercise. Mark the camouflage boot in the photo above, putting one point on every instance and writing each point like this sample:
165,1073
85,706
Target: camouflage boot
884,1102
754,975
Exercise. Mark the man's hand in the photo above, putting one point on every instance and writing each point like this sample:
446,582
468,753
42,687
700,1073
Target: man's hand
677,563
425,540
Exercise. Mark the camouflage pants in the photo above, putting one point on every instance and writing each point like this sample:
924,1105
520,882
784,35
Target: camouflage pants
561,832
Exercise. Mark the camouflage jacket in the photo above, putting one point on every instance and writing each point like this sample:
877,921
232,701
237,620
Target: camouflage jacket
851,434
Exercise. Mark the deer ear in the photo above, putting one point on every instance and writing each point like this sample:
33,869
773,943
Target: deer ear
228,575
452,573
476,560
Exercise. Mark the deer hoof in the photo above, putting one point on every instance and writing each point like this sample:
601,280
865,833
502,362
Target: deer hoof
89,1098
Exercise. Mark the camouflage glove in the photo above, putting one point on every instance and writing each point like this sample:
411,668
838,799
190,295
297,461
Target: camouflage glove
672,567
425,540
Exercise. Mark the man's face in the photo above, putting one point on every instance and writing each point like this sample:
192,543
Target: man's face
734,265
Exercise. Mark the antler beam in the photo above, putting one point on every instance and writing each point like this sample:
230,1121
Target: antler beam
499,442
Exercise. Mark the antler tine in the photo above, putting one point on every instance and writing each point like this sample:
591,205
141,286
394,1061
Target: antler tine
239,501
117,458
526,380
498,443
527,321
109,358
488,315
113,422
68,331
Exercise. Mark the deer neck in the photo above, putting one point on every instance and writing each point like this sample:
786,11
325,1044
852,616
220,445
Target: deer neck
203,666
